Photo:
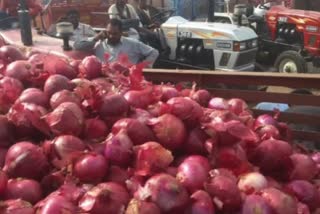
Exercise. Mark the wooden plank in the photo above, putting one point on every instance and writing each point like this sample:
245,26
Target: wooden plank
260,96
306,135
296,118
234,78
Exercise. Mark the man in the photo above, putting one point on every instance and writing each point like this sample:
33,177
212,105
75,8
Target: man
81,30
112,42
145,13
122,10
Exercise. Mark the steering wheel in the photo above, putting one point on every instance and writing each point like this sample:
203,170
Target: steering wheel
163,15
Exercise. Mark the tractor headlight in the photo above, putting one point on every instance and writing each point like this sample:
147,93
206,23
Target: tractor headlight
243,46
239,46
254,43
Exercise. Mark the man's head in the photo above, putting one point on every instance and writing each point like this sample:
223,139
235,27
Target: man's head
121,3
114,31
73,16
143,4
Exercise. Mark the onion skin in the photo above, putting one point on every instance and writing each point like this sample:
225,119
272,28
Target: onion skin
252,182
35,96
25,189
64,96
105,198
218,103
165,191
56,83
280,201
256,204
169,130
151,158
90,67
141,207
17,206
193,172
237,106
201,203
90,168
55,204
21,158
95,129
3,183
202,97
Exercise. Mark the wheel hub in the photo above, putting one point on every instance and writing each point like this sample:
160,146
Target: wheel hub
288,66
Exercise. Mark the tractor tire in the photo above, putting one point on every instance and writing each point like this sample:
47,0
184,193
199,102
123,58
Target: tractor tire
291,62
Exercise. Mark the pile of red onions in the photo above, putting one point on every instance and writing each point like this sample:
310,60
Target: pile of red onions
78,136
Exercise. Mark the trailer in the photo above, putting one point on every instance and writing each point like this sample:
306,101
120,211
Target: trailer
232,81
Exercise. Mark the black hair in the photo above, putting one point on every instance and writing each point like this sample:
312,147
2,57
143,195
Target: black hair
73,12
116,23
301,91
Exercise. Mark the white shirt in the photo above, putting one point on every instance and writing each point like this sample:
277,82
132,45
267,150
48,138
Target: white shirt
113,10
83,31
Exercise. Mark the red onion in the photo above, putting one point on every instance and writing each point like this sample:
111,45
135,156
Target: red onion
303,209
62,97
20,69
56,83
151,158
25,189
169,130
168,92
95,129
67,118
10,53
27,118
141,115
193,172
142,207
316,158
165,191
185,109
75,65
273,183
202,97
138,132
218,103
90,67
231,157
304,168
139,99
305,192
63,149
225,193
51,182
17,206
90,168
254,204
185,92
105,198
10,90
252,182
119,149
159,109
55,204
58,65
263,120
273,158
237,106
117,175
21,159
195,143
268,131
6,131
223,172
35,96
280,201
113,105
3,182
201,203
102,84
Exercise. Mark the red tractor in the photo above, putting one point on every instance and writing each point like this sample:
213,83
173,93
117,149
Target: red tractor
289,38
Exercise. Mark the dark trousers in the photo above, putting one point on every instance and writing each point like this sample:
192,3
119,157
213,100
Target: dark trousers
7,21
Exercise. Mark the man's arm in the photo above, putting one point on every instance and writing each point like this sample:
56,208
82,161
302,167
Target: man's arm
148,52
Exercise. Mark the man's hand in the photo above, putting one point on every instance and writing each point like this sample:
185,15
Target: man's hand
101,36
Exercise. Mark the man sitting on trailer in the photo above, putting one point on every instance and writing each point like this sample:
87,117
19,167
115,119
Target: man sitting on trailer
122,10
112,42
145,13
81,30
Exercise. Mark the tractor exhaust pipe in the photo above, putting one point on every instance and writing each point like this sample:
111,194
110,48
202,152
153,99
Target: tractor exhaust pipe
211,10
25,23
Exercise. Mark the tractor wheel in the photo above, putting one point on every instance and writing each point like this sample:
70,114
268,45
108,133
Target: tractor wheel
291,62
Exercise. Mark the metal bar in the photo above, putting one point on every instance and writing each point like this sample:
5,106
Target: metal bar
235,78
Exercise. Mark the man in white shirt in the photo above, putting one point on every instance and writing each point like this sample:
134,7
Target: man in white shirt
81,30
114,44
122,10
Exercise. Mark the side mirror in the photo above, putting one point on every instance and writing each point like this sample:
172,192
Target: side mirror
239,10
65,31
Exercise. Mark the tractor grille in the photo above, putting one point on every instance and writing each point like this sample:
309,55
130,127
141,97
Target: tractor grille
246,58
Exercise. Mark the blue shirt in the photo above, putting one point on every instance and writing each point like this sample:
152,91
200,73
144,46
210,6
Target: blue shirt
272,106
